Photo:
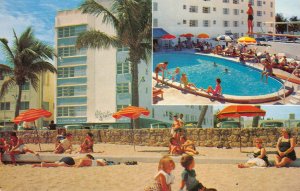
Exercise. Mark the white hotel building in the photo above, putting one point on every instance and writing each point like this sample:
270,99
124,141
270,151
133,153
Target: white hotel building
213,17
94,83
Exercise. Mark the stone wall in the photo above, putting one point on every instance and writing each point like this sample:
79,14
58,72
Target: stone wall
210,137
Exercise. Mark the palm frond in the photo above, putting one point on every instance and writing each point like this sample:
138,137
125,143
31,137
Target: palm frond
94,8
96,39
34,80
5,69
42,66
6,50
42,49
26,39
6,86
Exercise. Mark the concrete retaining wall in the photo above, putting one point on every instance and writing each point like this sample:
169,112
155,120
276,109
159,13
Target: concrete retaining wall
210,137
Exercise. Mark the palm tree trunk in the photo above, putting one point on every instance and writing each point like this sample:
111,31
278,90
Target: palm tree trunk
134,84
256,119
201,116
18,104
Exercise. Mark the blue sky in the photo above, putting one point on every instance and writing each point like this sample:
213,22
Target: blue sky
274,111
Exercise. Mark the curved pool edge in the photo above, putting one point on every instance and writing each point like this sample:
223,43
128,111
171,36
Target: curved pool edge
233,99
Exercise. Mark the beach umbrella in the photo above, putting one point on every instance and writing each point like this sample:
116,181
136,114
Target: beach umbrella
188,35
246,39
203,35
131,112
238,111
168,37
224,38
182,35
31,115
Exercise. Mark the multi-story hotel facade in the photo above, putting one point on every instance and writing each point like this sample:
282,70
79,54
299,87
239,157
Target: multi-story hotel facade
214,17
92,84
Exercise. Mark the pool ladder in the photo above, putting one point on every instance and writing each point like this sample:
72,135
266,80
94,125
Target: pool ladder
282,97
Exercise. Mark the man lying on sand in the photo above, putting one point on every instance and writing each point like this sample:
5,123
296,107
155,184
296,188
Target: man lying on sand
88,160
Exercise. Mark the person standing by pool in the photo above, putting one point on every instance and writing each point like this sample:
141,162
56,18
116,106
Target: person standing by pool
285,149
161,67
250,18
267,71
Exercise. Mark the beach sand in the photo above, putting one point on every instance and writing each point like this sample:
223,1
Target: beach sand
223,177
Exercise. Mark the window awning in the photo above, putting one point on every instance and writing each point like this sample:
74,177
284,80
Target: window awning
158,33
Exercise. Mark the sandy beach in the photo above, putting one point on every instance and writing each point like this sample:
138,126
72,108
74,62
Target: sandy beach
223,177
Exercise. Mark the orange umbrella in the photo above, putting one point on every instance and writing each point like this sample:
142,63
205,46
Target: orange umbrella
203,35
31,115
246,39
131,112
238,111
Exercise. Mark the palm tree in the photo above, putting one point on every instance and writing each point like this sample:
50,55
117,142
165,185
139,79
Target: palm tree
27,58
202,115
132,21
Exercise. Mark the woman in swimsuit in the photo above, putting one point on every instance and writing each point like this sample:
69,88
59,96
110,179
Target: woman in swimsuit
285,149
218,90
250,18
88,160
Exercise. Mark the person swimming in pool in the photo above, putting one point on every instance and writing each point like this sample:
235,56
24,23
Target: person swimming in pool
215,64
226,70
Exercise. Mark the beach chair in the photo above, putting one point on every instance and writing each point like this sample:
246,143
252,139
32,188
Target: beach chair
157,94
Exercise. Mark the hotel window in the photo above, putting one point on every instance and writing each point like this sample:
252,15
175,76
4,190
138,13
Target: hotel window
183,21
235,23
235,1
122,88
259,3
187,117
258,24
225,1
264,2
71,51
226,23
123,68
193,9
206,9
236,11
26,86
184,6
65,91
66,72
259,13
193,23
226,11
242,22
214,22
206,23
251,2
242,11
24,105
271,4
271,14
154,6
214,9
155,22
71,111
5,106
80,71
119,107
264,12
71,31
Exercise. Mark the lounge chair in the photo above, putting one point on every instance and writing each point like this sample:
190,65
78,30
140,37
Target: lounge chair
156,93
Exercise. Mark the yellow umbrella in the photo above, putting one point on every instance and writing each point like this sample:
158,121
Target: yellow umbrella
246,39
203,35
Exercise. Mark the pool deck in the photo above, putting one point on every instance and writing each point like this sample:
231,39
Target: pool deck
174,94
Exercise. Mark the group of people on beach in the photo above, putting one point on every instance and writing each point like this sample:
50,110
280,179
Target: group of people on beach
182,78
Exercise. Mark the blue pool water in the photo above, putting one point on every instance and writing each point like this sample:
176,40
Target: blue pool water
240,80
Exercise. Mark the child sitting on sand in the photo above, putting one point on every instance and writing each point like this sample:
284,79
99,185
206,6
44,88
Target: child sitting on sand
187,85
65,146
174,147
188,146
164,178
87,145
17,146
259,159
189,176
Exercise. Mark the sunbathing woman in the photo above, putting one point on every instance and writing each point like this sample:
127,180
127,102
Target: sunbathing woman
88,160
87,145
187,85
260,156
17,146
188,146
218,90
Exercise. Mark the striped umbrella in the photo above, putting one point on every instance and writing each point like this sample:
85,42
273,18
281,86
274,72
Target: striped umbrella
131,112
31,115
224,38
246,39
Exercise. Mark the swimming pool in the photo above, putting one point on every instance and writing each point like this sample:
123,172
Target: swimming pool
240,80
